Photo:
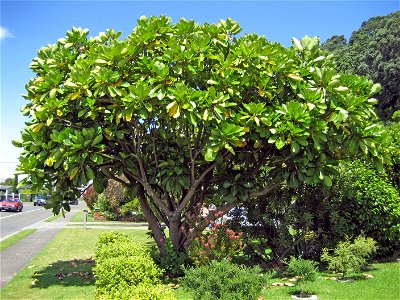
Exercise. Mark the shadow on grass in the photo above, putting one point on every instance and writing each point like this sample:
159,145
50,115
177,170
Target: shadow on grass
76,272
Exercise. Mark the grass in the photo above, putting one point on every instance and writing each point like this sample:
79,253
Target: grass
15,238
78,217
63,270
383,286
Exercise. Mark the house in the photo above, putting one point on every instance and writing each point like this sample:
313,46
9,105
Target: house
5,191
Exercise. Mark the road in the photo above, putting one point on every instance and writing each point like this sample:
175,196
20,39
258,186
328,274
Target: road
12,222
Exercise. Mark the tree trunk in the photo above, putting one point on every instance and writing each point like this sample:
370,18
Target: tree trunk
175,234
155,226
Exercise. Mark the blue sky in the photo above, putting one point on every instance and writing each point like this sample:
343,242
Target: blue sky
26,26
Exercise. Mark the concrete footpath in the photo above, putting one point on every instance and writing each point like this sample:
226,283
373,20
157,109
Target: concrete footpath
16,257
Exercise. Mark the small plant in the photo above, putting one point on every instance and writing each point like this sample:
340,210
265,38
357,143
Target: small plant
349,257
216,243
304,270
224,280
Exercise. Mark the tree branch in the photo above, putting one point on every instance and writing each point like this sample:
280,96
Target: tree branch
193,188
264,191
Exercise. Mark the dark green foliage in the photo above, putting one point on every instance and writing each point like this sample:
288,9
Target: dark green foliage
173,262
125,270
349,257
393,129
373,205
302,221
225,281
373,51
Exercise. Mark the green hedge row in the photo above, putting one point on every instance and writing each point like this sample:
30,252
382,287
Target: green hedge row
125,270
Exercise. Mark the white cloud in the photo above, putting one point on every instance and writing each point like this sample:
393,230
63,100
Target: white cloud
4,33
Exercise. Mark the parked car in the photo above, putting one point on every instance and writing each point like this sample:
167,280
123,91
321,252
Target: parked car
11,204
73,201
40,201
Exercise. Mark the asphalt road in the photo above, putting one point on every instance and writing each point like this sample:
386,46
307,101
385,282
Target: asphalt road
12,222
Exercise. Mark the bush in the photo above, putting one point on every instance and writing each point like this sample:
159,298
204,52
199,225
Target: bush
140,292
303,269
111,237
349,257
304,220
125,270
224,280
106,208
173,263
217,243
124,249
152,292
132,209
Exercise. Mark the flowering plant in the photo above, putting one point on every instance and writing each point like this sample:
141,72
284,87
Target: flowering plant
217,242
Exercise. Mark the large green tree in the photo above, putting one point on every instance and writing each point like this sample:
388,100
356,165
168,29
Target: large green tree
373,51
189,114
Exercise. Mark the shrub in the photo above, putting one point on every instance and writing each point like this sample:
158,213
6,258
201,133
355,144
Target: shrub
140,292
152,292
173,262
224,280
123,248
217,243
304,270
110,237
132,209
304,220
125,270
106,208
349,257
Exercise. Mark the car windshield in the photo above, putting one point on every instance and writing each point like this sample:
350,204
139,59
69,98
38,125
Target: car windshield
8,200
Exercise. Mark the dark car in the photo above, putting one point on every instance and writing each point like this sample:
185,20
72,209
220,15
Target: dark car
12,204
72,201
40,201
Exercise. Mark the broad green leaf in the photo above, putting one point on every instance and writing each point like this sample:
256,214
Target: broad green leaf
89,173
297,44
73,173
294,147
37,127
327,181
341,89
97,140
210,154
280,143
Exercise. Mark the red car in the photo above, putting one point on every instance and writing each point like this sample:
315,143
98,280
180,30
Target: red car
11,204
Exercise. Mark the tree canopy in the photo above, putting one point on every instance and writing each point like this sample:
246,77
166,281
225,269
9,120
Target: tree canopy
190,114
373,51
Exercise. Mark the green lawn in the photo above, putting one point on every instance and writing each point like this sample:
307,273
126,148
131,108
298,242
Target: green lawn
78,217
15,238
384,285
63,270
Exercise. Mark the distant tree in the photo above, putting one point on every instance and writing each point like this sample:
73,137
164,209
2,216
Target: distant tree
190,114
373,51
334,43
13,182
